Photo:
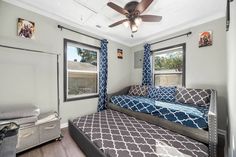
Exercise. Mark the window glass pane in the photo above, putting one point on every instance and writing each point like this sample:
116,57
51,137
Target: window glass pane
168,80
169,66
80,83
79,58
81,75
169,61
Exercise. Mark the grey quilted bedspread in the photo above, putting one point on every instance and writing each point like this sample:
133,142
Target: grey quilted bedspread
119,135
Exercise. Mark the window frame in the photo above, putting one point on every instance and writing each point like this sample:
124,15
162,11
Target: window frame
86,96
184,62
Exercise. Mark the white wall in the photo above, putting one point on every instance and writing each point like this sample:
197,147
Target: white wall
231,49
31,78
205,67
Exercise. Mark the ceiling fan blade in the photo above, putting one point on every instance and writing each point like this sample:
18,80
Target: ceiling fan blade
150,18
118,23
143,5
117,8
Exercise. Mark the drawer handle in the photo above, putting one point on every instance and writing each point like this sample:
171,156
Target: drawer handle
27,135
50,127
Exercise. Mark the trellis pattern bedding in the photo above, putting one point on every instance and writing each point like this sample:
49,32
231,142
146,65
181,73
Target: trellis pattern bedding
199,97
119,135
138,90
188,115
166,94
153,92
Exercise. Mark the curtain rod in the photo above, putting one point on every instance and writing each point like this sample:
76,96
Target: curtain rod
29,50
185,34
62,27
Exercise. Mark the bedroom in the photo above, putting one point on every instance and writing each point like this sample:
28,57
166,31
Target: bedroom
39,66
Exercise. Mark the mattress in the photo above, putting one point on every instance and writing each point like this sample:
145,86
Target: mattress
118,135
188,115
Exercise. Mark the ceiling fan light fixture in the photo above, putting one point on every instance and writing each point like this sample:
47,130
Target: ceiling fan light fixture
134,28
133,12
126,24
138,21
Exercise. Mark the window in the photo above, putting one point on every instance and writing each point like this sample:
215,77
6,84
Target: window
80,70
169,66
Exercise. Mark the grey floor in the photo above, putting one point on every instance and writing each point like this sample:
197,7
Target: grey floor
64,148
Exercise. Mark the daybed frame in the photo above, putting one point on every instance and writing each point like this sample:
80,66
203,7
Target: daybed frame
205,136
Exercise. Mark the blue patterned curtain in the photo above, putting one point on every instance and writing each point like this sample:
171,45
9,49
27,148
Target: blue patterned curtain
147,71
102,100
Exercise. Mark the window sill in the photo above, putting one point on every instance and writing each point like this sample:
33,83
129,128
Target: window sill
81,98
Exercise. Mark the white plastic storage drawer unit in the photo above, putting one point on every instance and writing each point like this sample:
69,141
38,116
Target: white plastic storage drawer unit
34,135
49,131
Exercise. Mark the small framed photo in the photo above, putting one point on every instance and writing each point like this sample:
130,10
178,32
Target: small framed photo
205,39
25,28
119,53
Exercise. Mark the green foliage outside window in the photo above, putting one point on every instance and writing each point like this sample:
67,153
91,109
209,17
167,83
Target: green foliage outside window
172,61
88,56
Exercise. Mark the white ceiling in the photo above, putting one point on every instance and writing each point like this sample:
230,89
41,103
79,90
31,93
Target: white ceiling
177,15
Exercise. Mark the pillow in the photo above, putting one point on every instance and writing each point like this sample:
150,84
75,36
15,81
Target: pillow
138,90
167,94
193,96
152,93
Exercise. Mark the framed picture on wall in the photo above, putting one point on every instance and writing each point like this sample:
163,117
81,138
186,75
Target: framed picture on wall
205,39
119,53
25,28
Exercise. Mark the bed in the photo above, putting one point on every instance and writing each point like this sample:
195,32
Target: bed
112,133
204,135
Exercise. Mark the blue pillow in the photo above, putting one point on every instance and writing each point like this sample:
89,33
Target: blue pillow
167,94
153,93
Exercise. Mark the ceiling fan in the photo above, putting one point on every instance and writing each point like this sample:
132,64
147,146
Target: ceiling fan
133,11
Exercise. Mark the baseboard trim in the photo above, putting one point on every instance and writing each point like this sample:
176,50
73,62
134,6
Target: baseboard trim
221,132
64,125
